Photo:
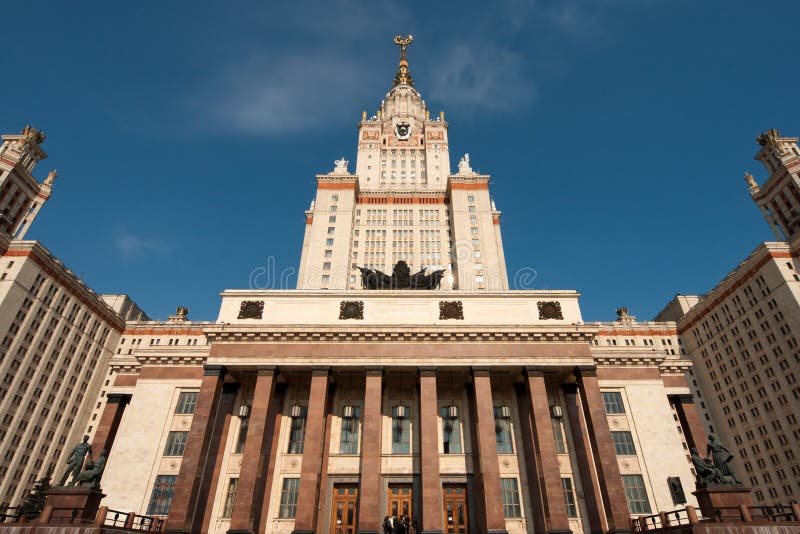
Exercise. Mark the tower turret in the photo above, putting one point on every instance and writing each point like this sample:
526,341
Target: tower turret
779,196
21,195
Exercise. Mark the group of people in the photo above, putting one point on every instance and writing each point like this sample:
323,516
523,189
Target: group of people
399,525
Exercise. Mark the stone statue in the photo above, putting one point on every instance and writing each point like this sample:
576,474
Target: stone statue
722,458
707,473
90,476
464,166
75,460
401,278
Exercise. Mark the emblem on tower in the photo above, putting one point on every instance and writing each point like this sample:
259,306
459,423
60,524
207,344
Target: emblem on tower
403,75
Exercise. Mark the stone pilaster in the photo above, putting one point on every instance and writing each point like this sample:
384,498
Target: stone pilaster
605,456
551,495
109,421
369,490
309,493
183,510
488,472
432,505
255,458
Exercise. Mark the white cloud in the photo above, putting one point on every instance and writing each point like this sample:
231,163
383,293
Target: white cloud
133,246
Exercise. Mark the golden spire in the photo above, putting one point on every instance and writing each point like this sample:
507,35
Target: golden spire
403,76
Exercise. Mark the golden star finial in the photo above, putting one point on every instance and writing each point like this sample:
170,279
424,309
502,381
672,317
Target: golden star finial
403,75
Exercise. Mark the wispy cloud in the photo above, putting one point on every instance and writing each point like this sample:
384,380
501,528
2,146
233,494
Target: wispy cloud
132,246
287,94
326,73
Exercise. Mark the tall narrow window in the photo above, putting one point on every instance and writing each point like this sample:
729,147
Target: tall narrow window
636,494
558,434
230,497
451,430
401,429
242,437
510,488
351,420
613,402
623,443
502,429
176,442
187,401
289,492
161,497
297,434
569,497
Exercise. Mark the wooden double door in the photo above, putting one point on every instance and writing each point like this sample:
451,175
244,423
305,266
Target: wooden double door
454,497
344,509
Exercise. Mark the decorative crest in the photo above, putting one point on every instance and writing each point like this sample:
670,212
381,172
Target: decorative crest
770,136
750,181
403,75
29,133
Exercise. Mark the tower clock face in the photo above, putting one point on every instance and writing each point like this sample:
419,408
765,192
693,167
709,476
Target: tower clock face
402,130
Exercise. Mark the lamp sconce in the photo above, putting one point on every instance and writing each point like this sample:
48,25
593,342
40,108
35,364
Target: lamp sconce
349,412
400,412
244,411
452,412
297,410
556,412
505,412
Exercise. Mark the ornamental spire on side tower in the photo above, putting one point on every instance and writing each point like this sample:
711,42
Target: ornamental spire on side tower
403,75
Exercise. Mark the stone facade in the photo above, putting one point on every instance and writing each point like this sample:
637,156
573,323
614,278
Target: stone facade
471,408
57,339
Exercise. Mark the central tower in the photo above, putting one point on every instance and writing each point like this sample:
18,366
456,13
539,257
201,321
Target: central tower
403,203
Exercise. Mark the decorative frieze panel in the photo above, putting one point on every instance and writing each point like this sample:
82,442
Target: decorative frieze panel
550,310
351,309
251,309
451,309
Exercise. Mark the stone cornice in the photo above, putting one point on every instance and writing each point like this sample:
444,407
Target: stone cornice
53,267
402,334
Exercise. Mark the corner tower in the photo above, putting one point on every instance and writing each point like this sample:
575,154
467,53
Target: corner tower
21,195
779,197
403,203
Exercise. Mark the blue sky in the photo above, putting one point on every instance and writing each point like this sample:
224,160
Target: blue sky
187,134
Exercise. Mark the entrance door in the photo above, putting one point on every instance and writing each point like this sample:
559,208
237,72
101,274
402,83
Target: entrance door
345,510
455,509
400,500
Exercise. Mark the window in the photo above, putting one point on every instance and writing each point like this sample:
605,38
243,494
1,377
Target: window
470,199
558,434
297,434
161,498
332,219
326,278
289,492
348,444
451,433
401,430
472,209
242,437
623,443
326,265
230,497
331,230
187,401
569,497
502,429
176,442
613,402
334,198
636,494
511,507
329,242
328,253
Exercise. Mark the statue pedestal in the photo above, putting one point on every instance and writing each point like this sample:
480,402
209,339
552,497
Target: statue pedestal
85,501
714,496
